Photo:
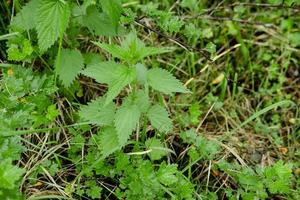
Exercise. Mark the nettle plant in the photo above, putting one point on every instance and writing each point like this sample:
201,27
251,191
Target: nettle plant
118,122
44,35
53,22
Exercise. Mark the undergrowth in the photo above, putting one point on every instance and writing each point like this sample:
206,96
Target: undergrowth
111,99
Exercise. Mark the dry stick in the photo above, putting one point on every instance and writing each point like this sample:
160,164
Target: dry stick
200,124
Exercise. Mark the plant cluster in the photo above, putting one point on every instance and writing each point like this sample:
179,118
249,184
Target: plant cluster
93,107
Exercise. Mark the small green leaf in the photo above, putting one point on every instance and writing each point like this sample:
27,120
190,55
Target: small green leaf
126,120
103,72
52,18
19,52
159,118
96,113
52,112
163,81
70,65
278,177
9,174
167,174
157,149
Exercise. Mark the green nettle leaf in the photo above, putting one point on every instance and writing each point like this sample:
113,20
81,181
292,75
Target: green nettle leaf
132,49
123,76
99,23
103,72
71,63
109,141
167,174
141,72
9,174
163,81
126,120
113,49
114,9
159,118
25,19
96,113
52,18
142,101
157,149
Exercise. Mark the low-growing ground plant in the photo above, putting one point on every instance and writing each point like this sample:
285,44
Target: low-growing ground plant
121,99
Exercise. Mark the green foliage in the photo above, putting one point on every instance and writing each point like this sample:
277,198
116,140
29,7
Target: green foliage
157,149
24,19
100,23
127,118
122,77
159,118
52,18
109,141
96,113
114,10
278,177
20,51
132,49
103,72
161,80
9,174
71,62
93,112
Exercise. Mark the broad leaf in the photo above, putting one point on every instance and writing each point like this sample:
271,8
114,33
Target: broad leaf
122,77
163,81
52,18
114,9
141,73
71,63
96,113
92,58
99,23
109,142
25,19
159,118
103,72
113,49
126,120
140,99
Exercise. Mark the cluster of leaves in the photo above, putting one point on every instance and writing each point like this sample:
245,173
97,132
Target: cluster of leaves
25,101
47,47
262,182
